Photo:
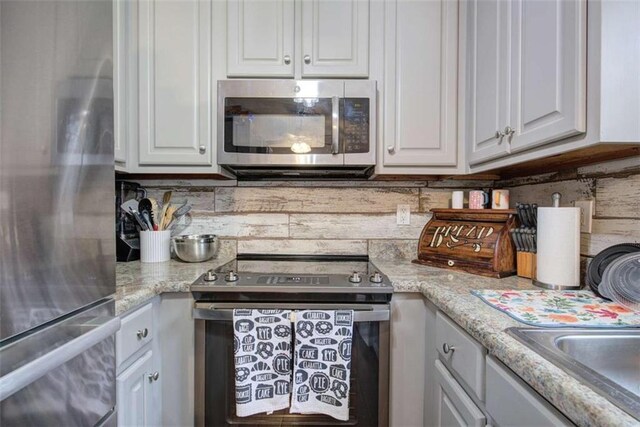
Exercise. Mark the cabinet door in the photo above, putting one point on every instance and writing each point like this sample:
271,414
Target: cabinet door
421,82
512,402
548,65
136,394
335,38
260,38
487,79
175,82
454,408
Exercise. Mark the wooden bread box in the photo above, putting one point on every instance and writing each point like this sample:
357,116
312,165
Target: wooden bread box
476,241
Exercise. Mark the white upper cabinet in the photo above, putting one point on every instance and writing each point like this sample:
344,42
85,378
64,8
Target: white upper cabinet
175,89
260,38
420,84
297,38
548,66
335,38
526,75
487,78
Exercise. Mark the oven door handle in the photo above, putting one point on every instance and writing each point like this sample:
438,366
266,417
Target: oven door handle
226,314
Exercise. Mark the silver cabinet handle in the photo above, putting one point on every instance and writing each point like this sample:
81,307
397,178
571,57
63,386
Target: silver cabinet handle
499,134
335,125
287,59
307,59
154,376
509,131
142,333
391,149
203,149
448,348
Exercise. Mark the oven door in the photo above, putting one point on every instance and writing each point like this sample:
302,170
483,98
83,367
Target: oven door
214,367
279,122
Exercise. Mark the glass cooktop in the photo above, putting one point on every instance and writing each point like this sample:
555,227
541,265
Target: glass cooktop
296,273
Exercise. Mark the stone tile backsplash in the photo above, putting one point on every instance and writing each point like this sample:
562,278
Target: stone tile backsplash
326,219
354,217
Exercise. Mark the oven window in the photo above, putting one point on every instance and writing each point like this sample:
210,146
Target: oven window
278,125
219,402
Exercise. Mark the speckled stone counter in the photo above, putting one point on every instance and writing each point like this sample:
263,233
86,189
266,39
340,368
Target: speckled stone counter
136,282
450,292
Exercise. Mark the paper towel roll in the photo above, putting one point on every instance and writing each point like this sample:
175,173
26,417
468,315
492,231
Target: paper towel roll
558,255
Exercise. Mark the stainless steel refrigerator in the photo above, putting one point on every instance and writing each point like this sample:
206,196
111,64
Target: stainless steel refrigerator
57,248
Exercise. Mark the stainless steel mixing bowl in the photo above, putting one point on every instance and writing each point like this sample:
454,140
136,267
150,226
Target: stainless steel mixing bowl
195,247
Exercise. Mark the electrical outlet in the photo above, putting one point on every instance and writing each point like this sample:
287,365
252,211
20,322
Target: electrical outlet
404,215
586,214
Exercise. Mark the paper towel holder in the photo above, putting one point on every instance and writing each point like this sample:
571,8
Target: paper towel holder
556,287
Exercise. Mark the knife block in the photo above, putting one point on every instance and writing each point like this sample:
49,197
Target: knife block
476,241
526,262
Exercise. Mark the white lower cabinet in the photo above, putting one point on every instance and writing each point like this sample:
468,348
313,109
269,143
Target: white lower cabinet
138,391
454,408
138,380
513,403
466,387
410,321
155,363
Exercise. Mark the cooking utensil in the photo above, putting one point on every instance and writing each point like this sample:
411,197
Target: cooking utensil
196,247
155,209
525,241
519,212
179,213
132,203
530,233
146,206
514,236
166,202
528,215
146,217
138,218
166,198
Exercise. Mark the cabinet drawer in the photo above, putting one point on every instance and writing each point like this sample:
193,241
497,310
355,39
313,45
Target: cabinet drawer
463,354
136,331
454,406
511,402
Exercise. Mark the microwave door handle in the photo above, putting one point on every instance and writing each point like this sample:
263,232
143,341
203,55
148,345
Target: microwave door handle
335,125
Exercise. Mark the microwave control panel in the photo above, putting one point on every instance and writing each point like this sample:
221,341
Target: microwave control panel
354,133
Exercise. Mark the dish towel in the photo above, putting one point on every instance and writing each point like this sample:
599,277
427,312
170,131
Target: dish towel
575,309
322,365
262,350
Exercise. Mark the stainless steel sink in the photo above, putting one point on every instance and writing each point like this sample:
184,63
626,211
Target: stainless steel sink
606,359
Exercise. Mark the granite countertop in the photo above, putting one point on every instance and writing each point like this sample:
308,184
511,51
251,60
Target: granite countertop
450,292
136,283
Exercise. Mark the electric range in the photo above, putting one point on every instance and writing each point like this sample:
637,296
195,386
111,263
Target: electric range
292,282
301,278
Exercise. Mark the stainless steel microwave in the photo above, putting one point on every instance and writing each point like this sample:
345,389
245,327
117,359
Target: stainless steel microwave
297,128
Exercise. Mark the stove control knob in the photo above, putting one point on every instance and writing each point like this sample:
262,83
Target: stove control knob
355,277
210,276
231,276
376,277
